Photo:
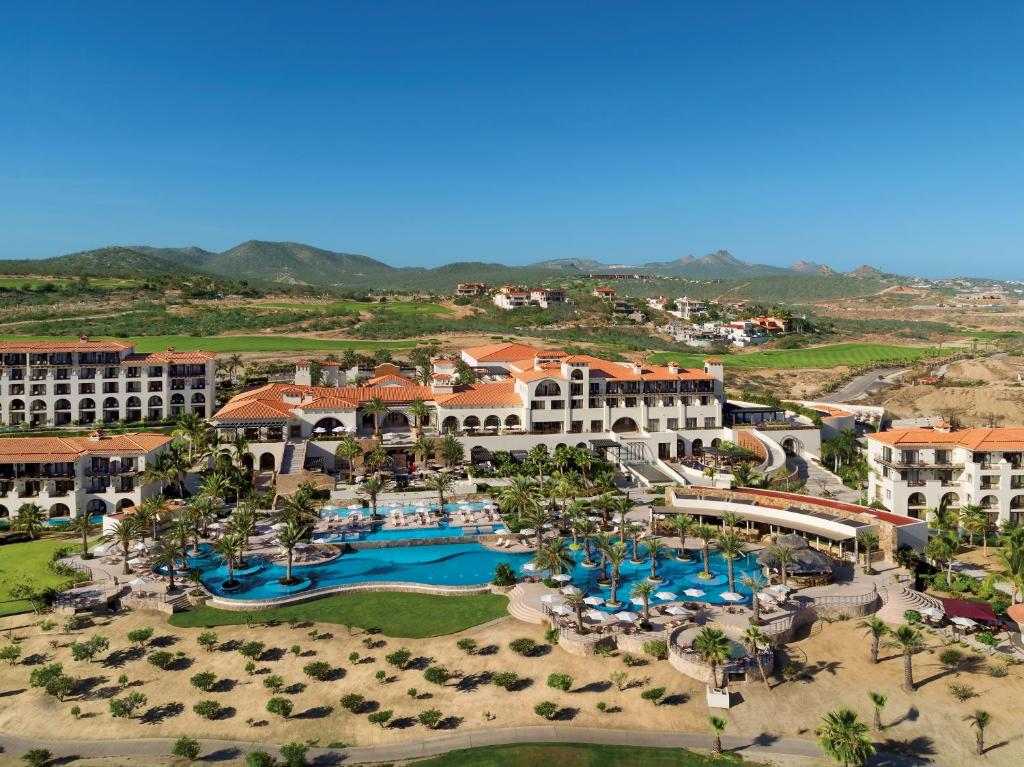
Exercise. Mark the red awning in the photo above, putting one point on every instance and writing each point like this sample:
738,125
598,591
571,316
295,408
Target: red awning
962,608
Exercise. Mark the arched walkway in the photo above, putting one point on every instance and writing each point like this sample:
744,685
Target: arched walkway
96,506
624,425
450,424
792,446
512,420
59,511
267,462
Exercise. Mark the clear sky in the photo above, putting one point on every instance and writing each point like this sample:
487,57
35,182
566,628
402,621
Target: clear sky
888,133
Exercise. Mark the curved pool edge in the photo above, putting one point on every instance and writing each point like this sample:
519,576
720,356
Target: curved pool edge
227,603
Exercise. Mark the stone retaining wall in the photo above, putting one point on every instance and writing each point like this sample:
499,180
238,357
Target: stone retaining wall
307,596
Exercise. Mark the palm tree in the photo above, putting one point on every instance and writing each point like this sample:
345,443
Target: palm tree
348,450
706,533
604,503
755,582
240,448
974,520
943,518
743,475
785,556
538,458
869,542
377,458
718,725
215,487
31,519
755,642
81,524
682,525
908,641
731,520
655,550
712,647
163,470
168,552
243,523
586,530
194,431
420,411
979,720
877,630
844,737
943,548
575,513
878,701
1011,561
441,483
123,532
554,557
730,546
375,407
452,450
615,556
287,538
202,508
621,506
372,488
520,496
536,518
574,599
424,447
644,590
234,363
153,511
633,531
603,542
230,547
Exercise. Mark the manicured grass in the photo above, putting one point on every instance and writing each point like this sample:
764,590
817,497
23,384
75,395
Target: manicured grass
828,356
19,561
233,344
393,613
19,283
575,755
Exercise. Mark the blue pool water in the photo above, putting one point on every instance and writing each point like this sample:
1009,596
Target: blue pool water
95,519
379,534
386,511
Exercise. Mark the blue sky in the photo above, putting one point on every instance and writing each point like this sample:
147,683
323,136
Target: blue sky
425,132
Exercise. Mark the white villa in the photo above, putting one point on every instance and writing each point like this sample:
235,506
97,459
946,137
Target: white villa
61,383
920,468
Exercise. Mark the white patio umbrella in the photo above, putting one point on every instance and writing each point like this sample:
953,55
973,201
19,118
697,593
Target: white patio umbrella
561,578
732,596
561,609
779,588
626,616
527,531
301,545
136,583
339,429
637,601
764,596
594,601
551,599
933,612
136,561
217,526
677,610
319,430
355,506
694,592
103,548
965,622
595,615
530,567
278,526
571,590
140,546
666,595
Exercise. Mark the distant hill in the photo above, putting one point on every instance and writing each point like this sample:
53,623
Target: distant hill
115,261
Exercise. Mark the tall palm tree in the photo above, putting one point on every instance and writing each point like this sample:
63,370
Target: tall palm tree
230,547
575,513
163,471
586,529
554,557
633,532
81,524
755,642
123,533
707,534
243,523
538,459
979,720
755,582
644,590
536,518
239,448
574,600
877,630
153,511
943,548
615,556
287,538
193,430
603,542
348,450
868,542
730,546
203,513
621,506
604,503
682,525
215,486
718,725
375,407
377,458
743,475
713,647
420,411
441,483
1010,559
452,450
656,551
168,552
943,518
878,701
908,641
731,520
425,448
784,555
31,519
372,489
844,737
974,520
520,496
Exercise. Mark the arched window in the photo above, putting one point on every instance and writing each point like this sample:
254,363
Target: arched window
576,375
625,425
62,404
950,501
492,422
37,406
267,462
989,502
109,402
450,424
548,388
178,399
512,420
198,398
96,506
17,404
134,402
471,422
59,510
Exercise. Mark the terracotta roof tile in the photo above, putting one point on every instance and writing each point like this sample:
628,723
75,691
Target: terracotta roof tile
51,449
502,352
1010,438
499,394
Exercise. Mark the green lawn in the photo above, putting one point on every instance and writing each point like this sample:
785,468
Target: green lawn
575,755
233,344
29,559
393,613
18,283
828,356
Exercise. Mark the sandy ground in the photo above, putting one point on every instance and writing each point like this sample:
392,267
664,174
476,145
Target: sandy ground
973,405
834,659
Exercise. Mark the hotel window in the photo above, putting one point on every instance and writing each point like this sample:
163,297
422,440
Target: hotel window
672,423
86,388
653,424
709,423
596,425
691,423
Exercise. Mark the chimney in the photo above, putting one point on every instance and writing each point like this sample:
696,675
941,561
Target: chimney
84,339
96,436
170,350
673,367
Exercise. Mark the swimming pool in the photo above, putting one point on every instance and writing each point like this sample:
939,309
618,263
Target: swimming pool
386,510
95,519
377,533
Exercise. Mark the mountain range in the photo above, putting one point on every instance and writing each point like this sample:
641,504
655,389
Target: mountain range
296,264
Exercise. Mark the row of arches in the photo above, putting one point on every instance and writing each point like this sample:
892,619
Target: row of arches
109,403
951,500
451,423
95,507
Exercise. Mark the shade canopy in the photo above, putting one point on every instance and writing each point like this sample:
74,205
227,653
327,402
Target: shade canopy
732,596
551,599
694,592
626,616
666,595
677,610
964,608
561,578
594,601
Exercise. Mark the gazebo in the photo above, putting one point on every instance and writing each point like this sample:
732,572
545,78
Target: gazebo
806,561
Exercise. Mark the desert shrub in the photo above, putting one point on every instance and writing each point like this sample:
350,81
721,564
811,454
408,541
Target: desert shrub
437,675
282,707
380,717
124,708
467,645
657,649
208,709
274,682
353,657
294,754
140,636
204,680
37,757
619,679
430,718
259,759
961,692
186,748
160,658
10,653
912,616
353,701
207,640
318,670
654,694
561,682
90,648
523,646
76,711
551,636
250,668
506,679
399,658
951,659
546,709
602,706
252,650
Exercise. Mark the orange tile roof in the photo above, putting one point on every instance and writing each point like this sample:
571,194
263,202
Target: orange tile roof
502,352
186,357
65,346
1011,438
59,449
390,379
498,394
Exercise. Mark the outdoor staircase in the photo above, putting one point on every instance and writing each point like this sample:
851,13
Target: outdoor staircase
521,611
900,599
179,603
294,458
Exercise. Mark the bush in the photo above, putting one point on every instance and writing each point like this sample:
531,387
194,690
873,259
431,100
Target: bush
282,707
140,636
161,659
620,679
208,709
88,649
551,636
546,709
204,680
41,676
259,759
961,692
318,670
294,754
467,645
561,682
274,682
352,702
122,681
657,649
37,757
654,694
207,640
186,748
380,717
252,650
506,679
437,675
124,708
951,659
912,616
76,711
602,706
10,653
353,657
399,658
523,646
430,718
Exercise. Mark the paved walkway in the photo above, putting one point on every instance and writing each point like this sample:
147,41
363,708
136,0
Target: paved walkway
224,750
819,478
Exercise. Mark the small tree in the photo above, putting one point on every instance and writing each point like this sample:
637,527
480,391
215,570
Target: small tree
878,701
140,636
523,646
430,718
90,648
467,645
259,759
561,682
438,675
657,649
10,653
203,681
125,708
619,679
399,658
208,640
654,694
186,748
381,717
546,709
979,720
252,650
717,727
318,670
506,679
294,754
353,701
274,682
281,707
161,659
208,709
37,757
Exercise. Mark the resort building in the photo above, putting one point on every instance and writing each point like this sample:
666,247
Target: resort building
510,297
61,383
545,297
69,476
471,289
606,293
686,308
921,468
